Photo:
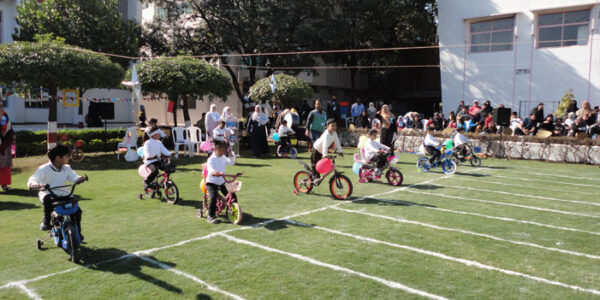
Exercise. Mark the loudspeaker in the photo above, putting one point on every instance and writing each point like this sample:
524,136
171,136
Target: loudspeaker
501,116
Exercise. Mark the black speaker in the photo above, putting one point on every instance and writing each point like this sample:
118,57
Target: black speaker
106,111
501,116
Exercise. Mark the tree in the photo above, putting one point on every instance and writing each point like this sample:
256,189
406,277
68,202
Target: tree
200,27
52,64
565,102
183,78
290,90
91,24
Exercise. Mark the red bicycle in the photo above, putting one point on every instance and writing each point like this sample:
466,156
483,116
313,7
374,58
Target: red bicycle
76,152
229,203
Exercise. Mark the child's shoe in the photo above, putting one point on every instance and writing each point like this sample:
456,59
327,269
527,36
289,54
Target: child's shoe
212,220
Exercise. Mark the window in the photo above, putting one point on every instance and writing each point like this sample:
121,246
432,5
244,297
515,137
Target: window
492,35
563,29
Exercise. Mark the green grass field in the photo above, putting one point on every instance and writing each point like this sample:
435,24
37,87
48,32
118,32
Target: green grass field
510,229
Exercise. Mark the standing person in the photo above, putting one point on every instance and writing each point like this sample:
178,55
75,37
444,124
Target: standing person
357,109
304,111
212,117
316,121
371,111
258,132
362,121
231,123
142,116
7,139
572,106
387,126
333,109
538,111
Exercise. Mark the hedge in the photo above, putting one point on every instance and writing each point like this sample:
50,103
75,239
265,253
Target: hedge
34,142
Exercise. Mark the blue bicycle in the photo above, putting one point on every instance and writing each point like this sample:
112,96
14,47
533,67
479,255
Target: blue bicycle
64,226
445,161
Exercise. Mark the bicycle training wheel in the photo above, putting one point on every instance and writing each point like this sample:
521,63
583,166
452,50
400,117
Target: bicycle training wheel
171,192
448,166
234,213
280,151
423,164
340,187
293,153
77,155
475,161
303,182
394,177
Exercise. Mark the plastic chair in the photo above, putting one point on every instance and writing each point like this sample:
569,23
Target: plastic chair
180,138
195,139
129,141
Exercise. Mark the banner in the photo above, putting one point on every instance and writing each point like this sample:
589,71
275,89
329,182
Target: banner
70,98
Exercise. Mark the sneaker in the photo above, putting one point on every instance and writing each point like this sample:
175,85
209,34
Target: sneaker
212,220
318,180
44,226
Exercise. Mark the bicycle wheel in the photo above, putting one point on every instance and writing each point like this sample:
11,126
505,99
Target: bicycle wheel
475,161
171,192
394,177
423,164
340,187
293,153
280,151
73,243
234,213
203,211
364,176
303,182
448,166
77,155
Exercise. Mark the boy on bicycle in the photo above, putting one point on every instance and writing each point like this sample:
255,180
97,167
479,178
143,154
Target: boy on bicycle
322,144
374,151
215,181
54,173
222,133
283,131
153,150
460,142
431,146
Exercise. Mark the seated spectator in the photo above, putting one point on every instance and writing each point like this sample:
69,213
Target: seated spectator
490,128
452,123
559,128
516,124
530,125
587,113
474,110
547,124
488,120
438,122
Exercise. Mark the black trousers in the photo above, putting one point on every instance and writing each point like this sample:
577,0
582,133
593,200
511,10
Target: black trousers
154,168
213,190
461,150
379,159
48,208
315,156
434,152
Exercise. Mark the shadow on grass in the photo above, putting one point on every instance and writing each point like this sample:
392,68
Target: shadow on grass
391,202
21,192
471,174
120,265
203,297
272,225
10,205
191,203
425,187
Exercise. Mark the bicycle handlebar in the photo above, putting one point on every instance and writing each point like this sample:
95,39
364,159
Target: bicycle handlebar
49,189
233,177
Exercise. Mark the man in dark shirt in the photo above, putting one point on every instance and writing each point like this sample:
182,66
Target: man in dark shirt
530,125
538,112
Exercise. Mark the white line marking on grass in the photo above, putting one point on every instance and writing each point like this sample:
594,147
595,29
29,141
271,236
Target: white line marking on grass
521,185
520,195
552,175
552,182
467,262
508,204
30,293
471,233
391,284
189,276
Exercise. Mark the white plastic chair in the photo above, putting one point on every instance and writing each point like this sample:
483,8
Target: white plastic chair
180,138
195,138
129,141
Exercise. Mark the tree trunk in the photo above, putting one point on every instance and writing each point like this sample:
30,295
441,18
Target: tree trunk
52,117
174,112
186,113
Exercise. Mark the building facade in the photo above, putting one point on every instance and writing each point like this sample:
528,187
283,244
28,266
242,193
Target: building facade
519,53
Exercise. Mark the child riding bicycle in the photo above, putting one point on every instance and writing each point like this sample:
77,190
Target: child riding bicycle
284,139
431,146
460,142
375,151
215,181
54,173
153,150
322,144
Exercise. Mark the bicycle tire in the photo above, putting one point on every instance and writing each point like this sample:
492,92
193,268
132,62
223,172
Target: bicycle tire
293,153
73,243
303,182
341,182
475,161
394,177
234,213
448,167
77,155
279,151
171,192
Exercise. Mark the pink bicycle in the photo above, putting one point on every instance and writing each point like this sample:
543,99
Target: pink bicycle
232,208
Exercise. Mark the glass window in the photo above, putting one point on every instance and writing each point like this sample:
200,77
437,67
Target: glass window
492,35
563,29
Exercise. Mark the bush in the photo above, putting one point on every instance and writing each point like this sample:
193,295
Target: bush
34,142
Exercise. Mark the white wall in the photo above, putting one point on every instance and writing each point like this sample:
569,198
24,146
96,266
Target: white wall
492,75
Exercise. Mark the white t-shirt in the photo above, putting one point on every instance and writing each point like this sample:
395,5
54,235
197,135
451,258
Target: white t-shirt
283,131
430,141
460,139
220,134
49,174
325,140
372,147
153,149
218,163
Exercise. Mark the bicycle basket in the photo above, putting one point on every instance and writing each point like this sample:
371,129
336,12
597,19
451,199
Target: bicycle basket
170,168
234,187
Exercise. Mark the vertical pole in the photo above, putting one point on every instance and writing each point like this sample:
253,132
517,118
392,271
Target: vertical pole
464,71
590,66
531,68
